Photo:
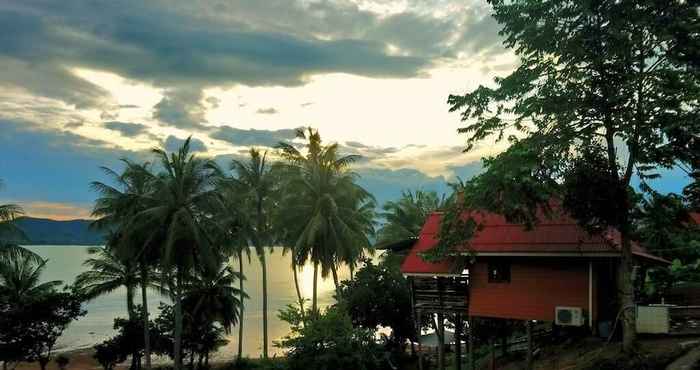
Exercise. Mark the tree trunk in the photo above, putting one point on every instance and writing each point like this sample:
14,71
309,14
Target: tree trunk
335,280
130,294
626,291
177,345
146,324
296,286
43,362
470,344
314,299
264,282
242,298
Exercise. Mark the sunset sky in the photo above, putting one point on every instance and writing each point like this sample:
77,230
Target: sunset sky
84,83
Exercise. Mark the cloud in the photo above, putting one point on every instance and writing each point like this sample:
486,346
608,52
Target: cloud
304,105
126,128
73,125
181,108
252,137
57,211
173,143
269,110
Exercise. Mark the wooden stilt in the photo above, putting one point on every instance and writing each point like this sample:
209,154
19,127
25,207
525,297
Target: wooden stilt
419,317
492,344
458,341
470,344
528,327
441,340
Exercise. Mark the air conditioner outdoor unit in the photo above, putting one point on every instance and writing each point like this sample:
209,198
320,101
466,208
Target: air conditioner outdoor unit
569,316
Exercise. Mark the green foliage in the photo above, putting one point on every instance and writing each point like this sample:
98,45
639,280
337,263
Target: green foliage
29,328
378,295
405,217
199,338
328,342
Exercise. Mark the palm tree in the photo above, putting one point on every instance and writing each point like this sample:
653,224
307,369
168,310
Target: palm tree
326,207
10,233
406,216
20,278
233,222
108,273
180,204
255,182
115,208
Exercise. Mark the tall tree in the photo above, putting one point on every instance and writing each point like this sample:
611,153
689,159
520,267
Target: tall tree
233,219
616,79
10,234
255,182
20,279
180,204
405,217
115,209
331,221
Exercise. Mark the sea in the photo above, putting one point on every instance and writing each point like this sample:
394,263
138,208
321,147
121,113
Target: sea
65,262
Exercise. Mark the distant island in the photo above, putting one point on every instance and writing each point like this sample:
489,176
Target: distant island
43,231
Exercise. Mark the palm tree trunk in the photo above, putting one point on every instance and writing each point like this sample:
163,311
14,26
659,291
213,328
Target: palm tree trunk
130,300
240,318
314,299
146,329
264,281
132,316
296,286
177,351
335,279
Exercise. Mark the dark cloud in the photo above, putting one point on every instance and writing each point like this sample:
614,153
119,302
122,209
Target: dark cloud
269,110
73,125
128,106
252,137
127,128
304,105
181,108
173,143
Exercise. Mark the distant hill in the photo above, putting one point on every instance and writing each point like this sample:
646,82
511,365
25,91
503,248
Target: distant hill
46,231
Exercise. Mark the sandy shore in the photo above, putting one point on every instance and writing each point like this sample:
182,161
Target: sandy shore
80,359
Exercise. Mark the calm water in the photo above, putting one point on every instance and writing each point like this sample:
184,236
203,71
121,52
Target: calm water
65,263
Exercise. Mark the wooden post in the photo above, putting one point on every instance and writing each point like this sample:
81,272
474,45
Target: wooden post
492,344
441,340
528,327
470,344
458,341
419,317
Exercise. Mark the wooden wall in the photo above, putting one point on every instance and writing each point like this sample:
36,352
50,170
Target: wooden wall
537,286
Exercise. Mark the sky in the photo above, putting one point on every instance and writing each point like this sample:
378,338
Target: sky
85,83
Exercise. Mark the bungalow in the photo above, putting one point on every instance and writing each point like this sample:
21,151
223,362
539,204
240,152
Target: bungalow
555,271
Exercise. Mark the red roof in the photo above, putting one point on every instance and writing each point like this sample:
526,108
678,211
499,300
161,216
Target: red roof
555,235
695,216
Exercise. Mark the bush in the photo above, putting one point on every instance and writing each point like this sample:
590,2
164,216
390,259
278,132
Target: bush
328,341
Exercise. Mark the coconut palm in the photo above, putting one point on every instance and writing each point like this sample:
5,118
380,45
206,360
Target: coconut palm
115,209
180,204
405,217
107,273
233,221
10,233
212,297
20,278
255,183
326,207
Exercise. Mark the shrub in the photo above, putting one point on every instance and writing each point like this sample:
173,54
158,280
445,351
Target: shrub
328,341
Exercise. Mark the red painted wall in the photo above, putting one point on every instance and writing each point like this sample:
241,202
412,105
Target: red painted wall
536,287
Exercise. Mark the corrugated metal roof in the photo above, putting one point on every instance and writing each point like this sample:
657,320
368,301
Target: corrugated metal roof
557,233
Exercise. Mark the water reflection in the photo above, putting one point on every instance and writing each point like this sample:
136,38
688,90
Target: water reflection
65,263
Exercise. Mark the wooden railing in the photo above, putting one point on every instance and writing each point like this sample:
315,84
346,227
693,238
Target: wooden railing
436,294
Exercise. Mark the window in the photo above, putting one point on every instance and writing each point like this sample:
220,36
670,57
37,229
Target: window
499,272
